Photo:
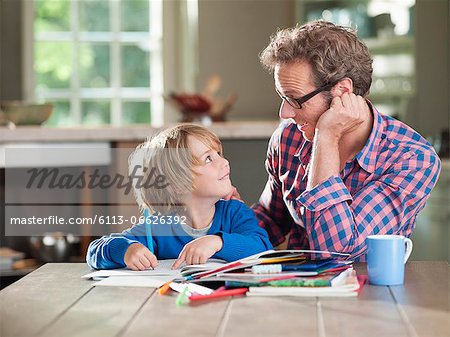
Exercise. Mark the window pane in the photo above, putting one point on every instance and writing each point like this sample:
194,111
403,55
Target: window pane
94,15
94,60
60,115
95,112
52,16
135,14
135,67
136,112
53,64
59,50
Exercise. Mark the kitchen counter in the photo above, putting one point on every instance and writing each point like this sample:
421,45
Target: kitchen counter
225,130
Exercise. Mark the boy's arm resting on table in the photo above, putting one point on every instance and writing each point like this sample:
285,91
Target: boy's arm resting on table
108,252
246,237
336,221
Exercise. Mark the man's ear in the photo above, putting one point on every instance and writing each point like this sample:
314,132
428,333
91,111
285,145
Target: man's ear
343,86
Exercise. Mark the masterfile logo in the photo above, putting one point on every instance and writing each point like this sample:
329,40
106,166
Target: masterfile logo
53,179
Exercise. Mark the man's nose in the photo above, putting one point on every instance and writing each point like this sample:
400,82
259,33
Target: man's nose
286,111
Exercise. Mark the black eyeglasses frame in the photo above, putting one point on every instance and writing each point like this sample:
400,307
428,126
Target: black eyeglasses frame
296,103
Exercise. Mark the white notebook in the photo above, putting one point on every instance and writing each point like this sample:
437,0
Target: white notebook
133,281
344,285
164,268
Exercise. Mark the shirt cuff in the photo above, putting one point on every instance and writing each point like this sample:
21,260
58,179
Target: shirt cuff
231,250
117,249
331,192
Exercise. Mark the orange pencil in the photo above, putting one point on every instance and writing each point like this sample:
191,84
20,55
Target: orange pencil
164,288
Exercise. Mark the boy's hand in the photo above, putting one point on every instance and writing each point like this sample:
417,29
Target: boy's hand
199,250
139,257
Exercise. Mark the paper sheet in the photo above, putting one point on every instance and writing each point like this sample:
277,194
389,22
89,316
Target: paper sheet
133,281
163,268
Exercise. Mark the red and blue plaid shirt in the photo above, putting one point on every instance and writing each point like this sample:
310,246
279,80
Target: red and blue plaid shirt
380,191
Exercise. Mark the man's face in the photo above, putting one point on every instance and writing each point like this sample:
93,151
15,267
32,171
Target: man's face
295,80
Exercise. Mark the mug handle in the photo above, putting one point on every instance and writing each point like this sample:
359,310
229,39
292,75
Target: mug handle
409,247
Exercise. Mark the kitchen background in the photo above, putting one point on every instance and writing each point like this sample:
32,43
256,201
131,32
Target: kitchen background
106,65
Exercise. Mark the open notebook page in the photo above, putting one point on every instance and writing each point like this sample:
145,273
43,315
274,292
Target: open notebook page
164,268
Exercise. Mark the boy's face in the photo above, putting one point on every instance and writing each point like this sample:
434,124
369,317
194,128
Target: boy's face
212,176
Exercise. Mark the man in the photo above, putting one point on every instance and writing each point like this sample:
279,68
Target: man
338,170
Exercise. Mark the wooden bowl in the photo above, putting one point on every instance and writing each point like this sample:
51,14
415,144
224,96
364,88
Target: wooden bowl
25,114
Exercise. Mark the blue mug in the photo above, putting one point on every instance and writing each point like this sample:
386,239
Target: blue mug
386,258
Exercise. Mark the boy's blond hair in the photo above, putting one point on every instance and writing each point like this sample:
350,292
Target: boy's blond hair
167,154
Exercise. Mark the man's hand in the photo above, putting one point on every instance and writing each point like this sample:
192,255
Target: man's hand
345,114
234,194
199,250
139,257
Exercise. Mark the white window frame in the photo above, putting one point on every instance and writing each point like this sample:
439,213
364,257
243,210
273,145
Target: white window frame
115,93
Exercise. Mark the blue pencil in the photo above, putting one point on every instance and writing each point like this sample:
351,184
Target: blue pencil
148,231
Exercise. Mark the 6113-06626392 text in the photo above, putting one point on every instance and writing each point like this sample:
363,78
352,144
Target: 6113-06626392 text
99,219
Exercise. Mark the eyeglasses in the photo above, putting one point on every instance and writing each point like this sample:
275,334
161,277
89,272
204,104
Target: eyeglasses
296,103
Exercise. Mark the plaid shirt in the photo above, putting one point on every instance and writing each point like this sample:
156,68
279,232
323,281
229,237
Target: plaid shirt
380,191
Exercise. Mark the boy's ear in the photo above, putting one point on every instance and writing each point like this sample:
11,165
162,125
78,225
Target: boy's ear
343,86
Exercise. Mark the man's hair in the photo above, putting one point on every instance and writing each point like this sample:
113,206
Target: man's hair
168,154
334,52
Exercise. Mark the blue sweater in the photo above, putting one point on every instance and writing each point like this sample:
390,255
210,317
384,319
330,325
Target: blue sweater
233,221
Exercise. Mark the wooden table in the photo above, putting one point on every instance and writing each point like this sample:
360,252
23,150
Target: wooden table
55,301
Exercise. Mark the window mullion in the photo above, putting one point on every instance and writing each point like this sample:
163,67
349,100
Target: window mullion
75,78
116,67
156,74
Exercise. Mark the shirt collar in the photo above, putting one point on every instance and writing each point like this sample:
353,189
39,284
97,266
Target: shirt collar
367,157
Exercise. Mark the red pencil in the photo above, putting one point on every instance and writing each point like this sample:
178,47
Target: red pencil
218,294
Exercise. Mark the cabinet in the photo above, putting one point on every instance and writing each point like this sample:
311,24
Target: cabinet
387,29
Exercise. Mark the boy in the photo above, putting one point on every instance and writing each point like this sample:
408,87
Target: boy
190,221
